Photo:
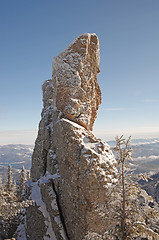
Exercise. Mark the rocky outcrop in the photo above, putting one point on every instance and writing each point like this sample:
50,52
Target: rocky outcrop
68,159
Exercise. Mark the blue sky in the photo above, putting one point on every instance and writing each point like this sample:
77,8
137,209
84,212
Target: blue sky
32,32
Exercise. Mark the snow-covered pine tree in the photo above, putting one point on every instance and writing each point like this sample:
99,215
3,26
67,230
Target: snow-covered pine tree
10,205
9,179
1,185
126,218
23,178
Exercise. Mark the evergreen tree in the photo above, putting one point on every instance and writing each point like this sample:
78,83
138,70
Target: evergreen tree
23,178
11,205
9,179
127,219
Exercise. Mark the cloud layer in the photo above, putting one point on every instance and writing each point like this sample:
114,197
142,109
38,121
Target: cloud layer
18,137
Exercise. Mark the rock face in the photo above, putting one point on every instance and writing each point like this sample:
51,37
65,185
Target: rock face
69,162
75,87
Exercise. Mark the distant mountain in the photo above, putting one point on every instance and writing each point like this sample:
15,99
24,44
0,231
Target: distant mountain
16,155
145,155
138,141
146,160
152,186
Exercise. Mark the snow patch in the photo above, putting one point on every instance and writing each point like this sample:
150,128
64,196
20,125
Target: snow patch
100,155
36,196
52,154
48,177
21,230
72,123
95,148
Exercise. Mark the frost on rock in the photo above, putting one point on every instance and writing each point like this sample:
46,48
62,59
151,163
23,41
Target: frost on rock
71,168
21,229
100,157
75,88
87,168
44,198
36,197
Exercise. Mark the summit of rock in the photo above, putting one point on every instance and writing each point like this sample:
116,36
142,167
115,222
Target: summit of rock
76,92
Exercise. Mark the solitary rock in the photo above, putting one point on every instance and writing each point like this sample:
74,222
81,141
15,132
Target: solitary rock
69,162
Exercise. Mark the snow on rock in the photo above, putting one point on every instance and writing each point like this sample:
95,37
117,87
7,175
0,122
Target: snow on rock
87,168
44,198
21,229
75,87
36,197
72,169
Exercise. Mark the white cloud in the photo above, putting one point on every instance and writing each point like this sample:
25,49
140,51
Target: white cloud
153,157
140,158
18,137
109,132
149,158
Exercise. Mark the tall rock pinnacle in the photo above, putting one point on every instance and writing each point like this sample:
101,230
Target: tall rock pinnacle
71,168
